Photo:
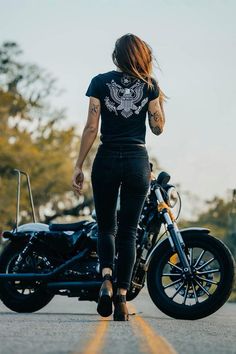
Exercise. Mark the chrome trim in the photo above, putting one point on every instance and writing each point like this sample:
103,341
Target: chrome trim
19,172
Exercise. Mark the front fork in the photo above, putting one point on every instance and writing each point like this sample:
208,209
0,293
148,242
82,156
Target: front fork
175,238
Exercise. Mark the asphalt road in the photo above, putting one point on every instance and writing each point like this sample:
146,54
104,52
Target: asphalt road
69,326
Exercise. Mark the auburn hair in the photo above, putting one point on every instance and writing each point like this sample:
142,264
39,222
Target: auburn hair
134,56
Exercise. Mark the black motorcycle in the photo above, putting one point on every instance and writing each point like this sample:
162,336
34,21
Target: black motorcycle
189,273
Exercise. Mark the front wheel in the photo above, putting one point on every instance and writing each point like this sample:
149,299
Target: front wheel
205,292
20,296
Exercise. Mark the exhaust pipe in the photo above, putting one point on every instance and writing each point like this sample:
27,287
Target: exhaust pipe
89,284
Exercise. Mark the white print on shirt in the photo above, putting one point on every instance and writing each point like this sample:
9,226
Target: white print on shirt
126,79
126,98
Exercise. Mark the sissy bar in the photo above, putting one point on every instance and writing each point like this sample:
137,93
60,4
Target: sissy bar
19,172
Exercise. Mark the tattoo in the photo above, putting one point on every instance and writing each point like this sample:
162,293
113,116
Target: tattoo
159,120
157,130
94,108
156,116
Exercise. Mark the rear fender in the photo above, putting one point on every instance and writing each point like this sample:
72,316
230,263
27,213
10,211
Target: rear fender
24,231
16,236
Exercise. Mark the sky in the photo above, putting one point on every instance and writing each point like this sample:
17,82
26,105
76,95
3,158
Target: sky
194,43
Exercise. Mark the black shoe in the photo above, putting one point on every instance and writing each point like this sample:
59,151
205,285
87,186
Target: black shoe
121,312
104,307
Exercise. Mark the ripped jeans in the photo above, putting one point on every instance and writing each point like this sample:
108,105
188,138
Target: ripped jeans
126,167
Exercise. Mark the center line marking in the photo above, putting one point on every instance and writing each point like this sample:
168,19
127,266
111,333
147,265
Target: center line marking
152,342
96,343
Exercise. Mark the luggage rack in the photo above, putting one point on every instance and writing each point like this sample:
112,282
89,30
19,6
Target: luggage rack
19,172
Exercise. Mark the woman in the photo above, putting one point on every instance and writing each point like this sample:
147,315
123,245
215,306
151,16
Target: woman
122,97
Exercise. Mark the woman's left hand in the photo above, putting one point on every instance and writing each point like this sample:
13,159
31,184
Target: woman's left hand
77,180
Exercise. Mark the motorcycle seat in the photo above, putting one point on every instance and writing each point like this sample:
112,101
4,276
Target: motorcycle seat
69,226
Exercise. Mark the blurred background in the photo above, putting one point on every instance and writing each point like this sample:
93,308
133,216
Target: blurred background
49,52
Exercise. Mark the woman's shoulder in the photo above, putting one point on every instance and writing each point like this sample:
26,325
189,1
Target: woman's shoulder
105,74
102,78
98,82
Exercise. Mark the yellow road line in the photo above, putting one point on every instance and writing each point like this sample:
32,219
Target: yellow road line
151,341
96,343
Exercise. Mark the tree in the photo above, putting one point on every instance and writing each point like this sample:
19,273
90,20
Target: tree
32,139
215,217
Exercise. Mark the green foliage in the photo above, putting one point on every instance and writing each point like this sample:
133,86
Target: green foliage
32,139
216,217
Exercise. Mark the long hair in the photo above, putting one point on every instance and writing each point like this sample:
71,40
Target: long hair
134,56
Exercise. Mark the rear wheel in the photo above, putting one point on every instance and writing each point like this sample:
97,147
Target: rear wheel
202,294
23,296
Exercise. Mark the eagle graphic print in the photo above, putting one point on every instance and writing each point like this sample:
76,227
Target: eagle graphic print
127,100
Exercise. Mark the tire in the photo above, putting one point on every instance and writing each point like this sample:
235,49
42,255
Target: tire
8,293
200,309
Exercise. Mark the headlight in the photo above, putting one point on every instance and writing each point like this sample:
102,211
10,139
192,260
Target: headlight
172,197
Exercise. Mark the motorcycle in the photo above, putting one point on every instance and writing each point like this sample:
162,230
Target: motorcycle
189,273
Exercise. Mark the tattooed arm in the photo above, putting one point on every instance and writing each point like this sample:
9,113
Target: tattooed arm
90,130
156,116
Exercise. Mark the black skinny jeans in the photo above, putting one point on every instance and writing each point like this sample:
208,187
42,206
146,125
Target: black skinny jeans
127,167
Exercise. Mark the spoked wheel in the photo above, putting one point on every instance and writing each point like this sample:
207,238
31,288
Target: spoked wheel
201,294
23,296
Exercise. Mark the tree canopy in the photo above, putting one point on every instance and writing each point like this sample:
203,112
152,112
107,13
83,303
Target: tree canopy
33,140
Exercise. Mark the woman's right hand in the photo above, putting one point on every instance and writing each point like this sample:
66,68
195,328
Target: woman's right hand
77,180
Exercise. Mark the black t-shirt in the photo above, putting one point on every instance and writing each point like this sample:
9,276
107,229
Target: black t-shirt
124,103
